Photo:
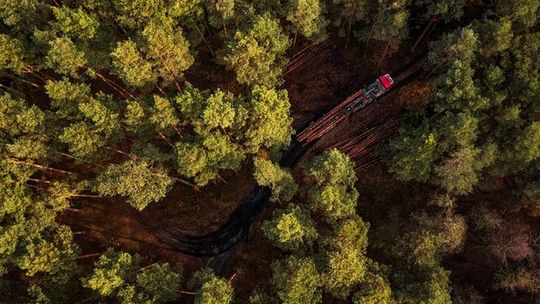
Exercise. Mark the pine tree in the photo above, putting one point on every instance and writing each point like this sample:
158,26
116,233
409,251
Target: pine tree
167,46
137,179
307,18
256,54
11,54
65,58
118,275
130,65
213,289
332,192
268,124
297,281
279,180
291,228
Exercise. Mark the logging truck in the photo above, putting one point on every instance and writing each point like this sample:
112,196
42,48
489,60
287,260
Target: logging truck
353,103
375,90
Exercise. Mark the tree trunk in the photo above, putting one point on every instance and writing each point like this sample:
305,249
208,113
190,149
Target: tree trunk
41,167
423,33
89,255
383,55
204,39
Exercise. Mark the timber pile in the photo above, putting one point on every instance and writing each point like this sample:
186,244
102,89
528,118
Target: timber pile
362,147
331,119
306,54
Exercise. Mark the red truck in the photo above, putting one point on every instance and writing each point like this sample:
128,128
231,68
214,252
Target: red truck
375,90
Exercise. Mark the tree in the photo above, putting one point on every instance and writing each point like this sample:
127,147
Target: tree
130,65
160,282
522,12
11,54
256,54
213,289
228,128
167,46
65,97
460,44
343,271
31,242
53,257
495,36
348,12
64,57
519,280
137,179
22,14
307,18
136,14
220,12
22,129
111,271
297,281
344,257
527,146
268,123
457,131
374,289
163,115
448,11
290,228
434,288
458,174
74,23
413,152
332,191
279,180
100,125
202,157
118,275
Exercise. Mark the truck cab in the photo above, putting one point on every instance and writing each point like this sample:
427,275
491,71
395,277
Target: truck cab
380,86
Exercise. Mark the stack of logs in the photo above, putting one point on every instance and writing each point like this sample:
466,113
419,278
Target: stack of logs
331,119
362,147
306,54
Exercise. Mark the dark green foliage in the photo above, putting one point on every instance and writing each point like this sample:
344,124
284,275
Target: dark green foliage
290,228
448,10
391,21
279,180
136,179
212,289
130,65
297,281
228,128
256,54
345,260
118,275
11,54
307,18
338,247
333,191
268,122
374,288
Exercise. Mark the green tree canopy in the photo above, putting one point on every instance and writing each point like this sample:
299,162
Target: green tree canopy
307,18
130,65
256,54
137,179
333,192
213,289
279,180
297,281
118,275
290,228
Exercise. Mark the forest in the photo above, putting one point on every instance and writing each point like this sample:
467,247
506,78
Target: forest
151,151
